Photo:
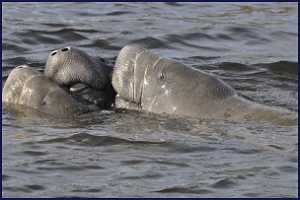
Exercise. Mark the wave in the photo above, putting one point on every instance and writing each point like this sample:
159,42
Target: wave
92,140
283,66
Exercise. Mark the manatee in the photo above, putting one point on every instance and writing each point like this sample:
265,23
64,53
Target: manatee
70,67
30,92
144,81
147,82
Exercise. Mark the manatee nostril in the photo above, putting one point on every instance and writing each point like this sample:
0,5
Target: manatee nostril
65,49
53,53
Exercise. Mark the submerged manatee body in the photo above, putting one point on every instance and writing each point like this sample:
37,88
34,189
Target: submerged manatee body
28,91
145,81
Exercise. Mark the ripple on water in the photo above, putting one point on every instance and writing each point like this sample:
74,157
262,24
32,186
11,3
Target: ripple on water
26,188
288,169
176,4
15,47
286,67
179,39
92,140
102,44
51,37
5,177
245,151
132,162
225,183
152,43
34,153
87,190
19,60
71,168
184,190
119,13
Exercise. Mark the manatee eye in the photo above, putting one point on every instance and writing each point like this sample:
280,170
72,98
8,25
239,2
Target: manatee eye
53,53
65,49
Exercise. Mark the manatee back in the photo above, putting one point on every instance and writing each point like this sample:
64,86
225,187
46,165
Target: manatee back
14,83
27,89
177,89
42,94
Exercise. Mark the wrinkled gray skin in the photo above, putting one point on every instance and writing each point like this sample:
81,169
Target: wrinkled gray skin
146,82
28,91
70,67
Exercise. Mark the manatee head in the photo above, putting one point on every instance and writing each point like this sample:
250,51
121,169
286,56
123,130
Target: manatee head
162,85
26,87
69,65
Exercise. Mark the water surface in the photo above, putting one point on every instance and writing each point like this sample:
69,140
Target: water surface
252,46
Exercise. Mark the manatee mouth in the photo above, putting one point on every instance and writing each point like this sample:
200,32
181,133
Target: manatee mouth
79,87
68,66
89,96
83,93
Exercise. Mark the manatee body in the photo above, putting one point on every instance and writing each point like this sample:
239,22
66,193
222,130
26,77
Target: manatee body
147,82
69,67
28,91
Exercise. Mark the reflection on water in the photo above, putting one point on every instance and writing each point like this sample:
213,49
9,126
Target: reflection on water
252,46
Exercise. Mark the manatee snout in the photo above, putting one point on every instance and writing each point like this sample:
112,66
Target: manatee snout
68,66
87,78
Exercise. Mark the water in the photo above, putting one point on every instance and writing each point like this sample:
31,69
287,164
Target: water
252,46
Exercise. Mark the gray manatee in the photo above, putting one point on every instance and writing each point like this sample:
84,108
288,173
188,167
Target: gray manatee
70,67
147,82
28,91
